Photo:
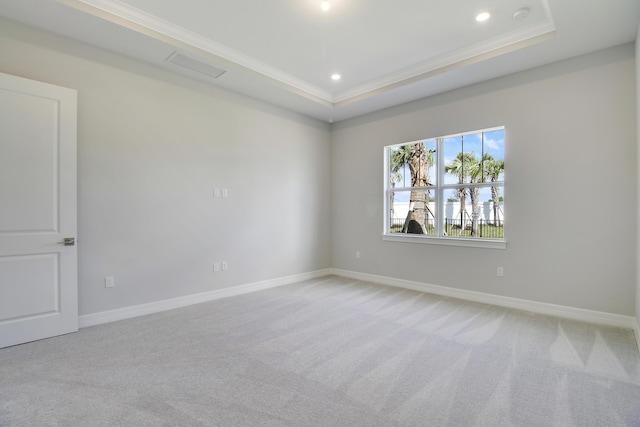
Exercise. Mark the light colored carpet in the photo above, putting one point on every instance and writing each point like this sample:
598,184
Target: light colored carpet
327,352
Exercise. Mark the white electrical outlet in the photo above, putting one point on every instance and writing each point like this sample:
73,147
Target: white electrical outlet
225,266
109,282
500,272
225,192
216,192
216,267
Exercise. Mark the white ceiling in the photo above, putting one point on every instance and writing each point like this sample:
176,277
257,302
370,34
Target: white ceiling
387,51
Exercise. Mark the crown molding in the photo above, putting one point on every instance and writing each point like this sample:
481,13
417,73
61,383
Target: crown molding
466,56
153,26
130,15
475,53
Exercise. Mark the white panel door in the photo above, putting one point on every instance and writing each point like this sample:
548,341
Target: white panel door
38,274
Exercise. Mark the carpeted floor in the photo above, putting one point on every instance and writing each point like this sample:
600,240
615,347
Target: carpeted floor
327,352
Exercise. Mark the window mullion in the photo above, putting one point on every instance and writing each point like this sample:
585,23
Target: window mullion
439,223
455,156
387,193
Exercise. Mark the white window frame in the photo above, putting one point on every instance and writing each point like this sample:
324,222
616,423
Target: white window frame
439,189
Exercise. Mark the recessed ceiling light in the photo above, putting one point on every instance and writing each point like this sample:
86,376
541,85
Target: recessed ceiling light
483,16
325,5
336,76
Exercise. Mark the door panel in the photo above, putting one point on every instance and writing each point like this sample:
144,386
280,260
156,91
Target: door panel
38,275
29,137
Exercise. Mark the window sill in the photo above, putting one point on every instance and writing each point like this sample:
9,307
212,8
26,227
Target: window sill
446,241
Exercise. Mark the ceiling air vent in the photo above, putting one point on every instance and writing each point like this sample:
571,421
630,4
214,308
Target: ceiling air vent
196,65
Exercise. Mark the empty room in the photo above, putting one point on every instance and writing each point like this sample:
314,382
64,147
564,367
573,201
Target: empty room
319,213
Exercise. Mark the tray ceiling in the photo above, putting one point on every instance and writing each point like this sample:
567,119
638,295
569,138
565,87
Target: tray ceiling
386,52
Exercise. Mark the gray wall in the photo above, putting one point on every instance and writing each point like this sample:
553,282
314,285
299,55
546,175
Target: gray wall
152,146
570,140
638,179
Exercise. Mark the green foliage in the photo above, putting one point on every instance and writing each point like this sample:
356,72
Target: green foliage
464,166
402,155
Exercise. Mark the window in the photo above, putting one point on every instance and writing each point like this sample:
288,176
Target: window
447,190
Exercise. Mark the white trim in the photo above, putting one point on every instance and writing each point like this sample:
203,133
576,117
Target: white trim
146,20
438,204
566,312
169,304
462,57
456,59
447,241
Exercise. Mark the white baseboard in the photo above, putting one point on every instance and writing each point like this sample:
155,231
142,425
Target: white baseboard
590,316
169,304
566,312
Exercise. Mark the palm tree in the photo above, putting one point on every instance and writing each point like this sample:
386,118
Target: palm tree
493,169
419,159
398,159
475,175
464,166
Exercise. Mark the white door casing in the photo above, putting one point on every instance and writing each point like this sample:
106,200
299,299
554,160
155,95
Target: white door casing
38,199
